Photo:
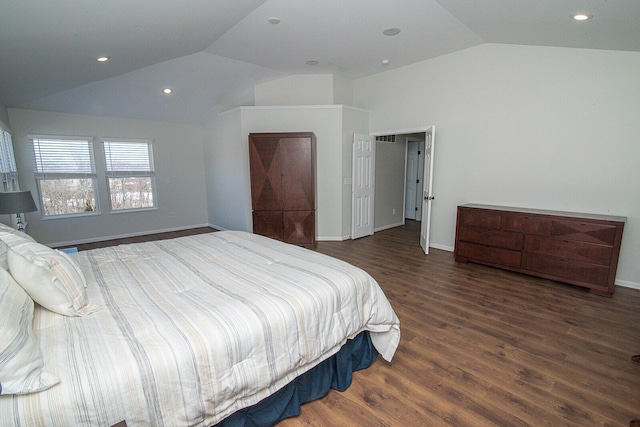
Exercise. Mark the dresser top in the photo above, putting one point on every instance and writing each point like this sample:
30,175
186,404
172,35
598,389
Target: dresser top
548,212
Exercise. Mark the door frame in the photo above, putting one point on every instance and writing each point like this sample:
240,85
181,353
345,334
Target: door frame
402,131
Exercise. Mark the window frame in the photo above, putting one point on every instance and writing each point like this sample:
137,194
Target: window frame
43,175
8,167
131,173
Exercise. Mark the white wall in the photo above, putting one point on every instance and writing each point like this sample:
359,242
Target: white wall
4,116
342,90
306,89
227,171
539,127
179,162
228,151
390,183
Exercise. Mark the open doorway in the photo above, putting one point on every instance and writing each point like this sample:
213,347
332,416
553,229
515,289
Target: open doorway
403,180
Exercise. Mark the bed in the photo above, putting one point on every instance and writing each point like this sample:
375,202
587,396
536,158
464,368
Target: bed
216,328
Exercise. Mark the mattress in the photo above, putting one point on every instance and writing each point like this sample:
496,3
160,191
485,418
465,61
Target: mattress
195,328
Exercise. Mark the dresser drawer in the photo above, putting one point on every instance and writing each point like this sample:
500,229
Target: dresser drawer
490,237
488,254
480,218
565,269
579,251
584,231
530,224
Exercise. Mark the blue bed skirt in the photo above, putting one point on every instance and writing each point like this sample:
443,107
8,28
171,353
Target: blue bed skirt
333,373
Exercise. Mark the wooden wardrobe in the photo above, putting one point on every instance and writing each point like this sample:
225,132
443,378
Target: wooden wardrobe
283,186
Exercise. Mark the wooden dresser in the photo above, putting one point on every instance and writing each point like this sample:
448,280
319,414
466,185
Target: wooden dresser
580,249
283,186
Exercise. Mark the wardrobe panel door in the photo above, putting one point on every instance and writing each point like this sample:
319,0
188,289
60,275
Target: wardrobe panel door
266,173
299,227
298,180
268,223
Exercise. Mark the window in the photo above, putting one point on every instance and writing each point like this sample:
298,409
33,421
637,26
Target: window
8,169
130,174
66,174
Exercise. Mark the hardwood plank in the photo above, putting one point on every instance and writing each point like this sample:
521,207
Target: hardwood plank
482,346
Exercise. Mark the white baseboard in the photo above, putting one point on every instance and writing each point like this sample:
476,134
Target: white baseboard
627,284
385,227
217,227
442,247
332,238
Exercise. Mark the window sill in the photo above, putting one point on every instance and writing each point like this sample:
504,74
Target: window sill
71,215
133,210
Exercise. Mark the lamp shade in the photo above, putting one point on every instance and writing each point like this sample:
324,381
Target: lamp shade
15,202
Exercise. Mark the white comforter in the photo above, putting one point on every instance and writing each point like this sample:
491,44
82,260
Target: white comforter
196,328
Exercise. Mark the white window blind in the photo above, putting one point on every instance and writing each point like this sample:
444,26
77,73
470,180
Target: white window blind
8,168
128,158
63,158
65,171
130,174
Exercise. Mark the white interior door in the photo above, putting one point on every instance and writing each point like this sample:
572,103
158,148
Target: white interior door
427,188
363,182
411,181
420,183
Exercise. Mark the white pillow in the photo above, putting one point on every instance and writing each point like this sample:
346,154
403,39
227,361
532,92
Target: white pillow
52,278
5,229
21,364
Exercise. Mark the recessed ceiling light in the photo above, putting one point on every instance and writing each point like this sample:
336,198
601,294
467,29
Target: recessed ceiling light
391,31
385,62
582,17
274,20
167,91
312,62
103,58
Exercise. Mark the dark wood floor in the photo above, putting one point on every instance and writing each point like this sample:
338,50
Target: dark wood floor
484,347
145,238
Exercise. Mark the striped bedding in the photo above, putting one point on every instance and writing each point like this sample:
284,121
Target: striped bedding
194,328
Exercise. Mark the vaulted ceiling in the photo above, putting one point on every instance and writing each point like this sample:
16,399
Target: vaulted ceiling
212,52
